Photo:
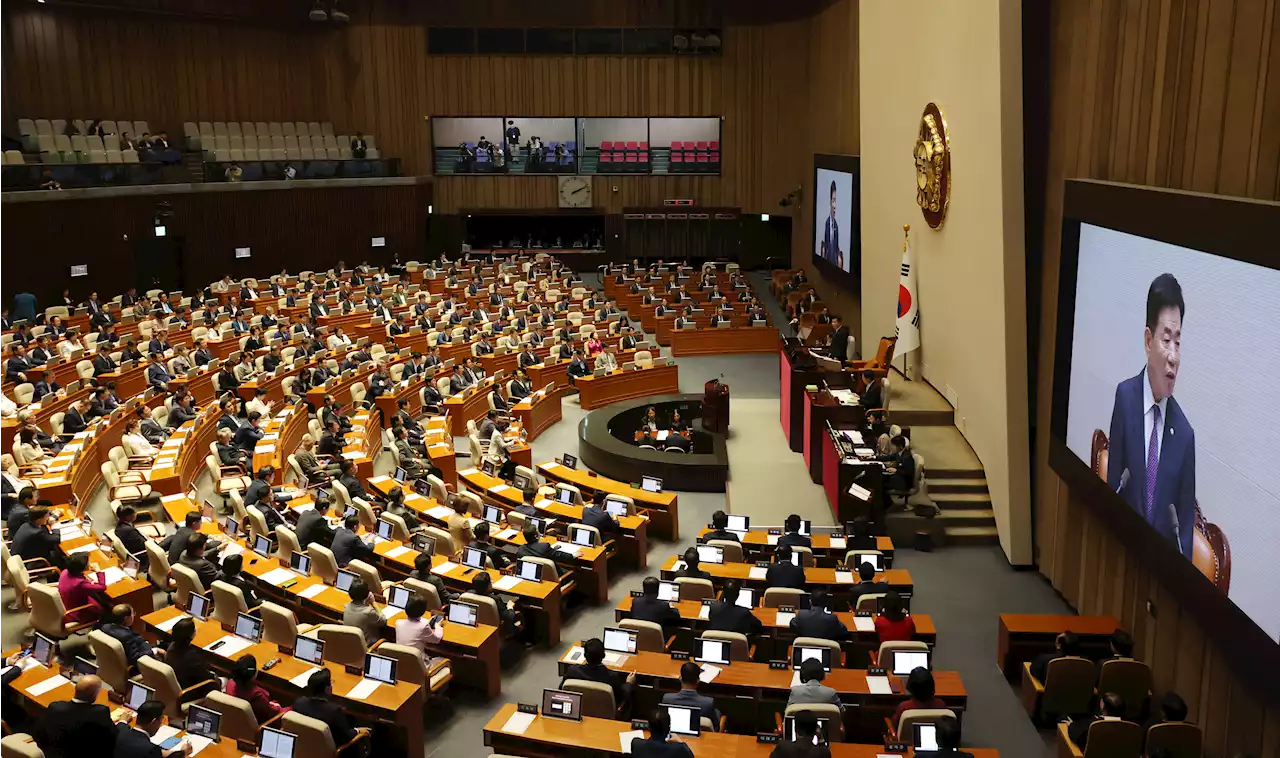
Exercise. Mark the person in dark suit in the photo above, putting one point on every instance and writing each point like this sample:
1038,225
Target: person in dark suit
75,420
803,746
596,515
720,529
792,536
594,670
121,628
313,525
175,544
840,341
481,542
860,536
34,540
187,660
648,607
727,616
577,367
132,539
784,572
691,569
1152,461
948,736
1121,648
69,726
315,703
533,546
347,545
232,565
689,696
900,468
871,396
831,251
1110,708
659,743
818,621
193,557
1067,645
867,586
102,364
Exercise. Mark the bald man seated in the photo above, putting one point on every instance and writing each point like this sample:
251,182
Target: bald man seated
69,726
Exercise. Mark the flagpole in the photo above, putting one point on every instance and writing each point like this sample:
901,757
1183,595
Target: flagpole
906,235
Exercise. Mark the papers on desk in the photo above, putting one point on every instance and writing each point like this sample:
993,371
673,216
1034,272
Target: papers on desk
468,471
773,538
444,568
852,435
169,624
704,612
198,743
363,689
507,582
52,683
662,435
83,549
396,552
164,733
845,396
844,576
172,498
71,532
864,624
502,488
626,738
709,673
864,452
312,591
301,679
551,464
542,505
795,678
444,445
113,574
784,619
278,576
615,659
575,655
229,549
518,723
379,479
389,611
261,449
879,685
440,512
507,534
757,572
304,507
568,549
839,543
860,492
678,566
230,645
354,455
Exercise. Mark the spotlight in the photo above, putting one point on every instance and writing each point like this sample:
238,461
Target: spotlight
318,13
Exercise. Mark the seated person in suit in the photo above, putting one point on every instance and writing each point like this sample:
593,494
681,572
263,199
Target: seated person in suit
871,393
120,625
422,572
482,542
900,468
727,616
533,546
36,540
921,687
347,545
193,557
868,585
818,620
792,536
1067,645
1173,710
689,696
512,622
948,735
811,689
187,660
1110,708
596,515
136,741
315,702
648,607
360,613
894,625
784,572
594,670
803,746
691,569
1121,648
232,565
860,536
719,527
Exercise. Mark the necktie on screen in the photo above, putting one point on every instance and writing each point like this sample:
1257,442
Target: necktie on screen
1153,461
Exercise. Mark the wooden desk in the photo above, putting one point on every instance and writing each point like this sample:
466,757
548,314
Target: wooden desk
1024,636
553,738
137,592
826,550
400,704
896,579
283,435
597,392
749,693
542,374
662,508
724,340
537,412
470,406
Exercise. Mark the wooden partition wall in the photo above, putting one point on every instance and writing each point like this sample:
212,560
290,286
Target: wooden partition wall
1169,93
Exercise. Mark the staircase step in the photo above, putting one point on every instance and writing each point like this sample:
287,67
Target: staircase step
955,473
960,500
974,517
972,535
942,485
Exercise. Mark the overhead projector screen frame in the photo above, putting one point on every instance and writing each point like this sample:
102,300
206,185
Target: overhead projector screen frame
849,164
1233,228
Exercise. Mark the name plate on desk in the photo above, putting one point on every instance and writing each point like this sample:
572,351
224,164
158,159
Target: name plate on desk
895,747
678,656
641,724
768,738
779,665
637,593
877,671
527,708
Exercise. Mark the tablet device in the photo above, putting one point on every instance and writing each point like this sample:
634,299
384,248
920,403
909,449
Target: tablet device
138,694
924,736
562,705
277,744
300,562
473,558
669,591
248,627
710,554
684,720
711,651
620,640
398,596
380,668
344,580
400,475
739,523
308,649
906,662
203,722
463,613
800,654
198,605
650,484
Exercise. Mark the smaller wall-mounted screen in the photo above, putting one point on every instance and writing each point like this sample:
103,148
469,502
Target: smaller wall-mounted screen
689,145
505,145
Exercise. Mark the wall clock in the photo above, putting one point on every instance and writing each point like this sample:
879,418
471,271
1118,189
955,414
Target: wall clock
575,192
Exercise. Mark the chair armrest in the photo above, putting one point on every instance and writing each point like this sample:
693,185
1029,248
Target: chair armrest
45,563
236,470
1065,746
272,720
1031,692
890,730
359,736
199,689
72,628
777,722
131,477
38,468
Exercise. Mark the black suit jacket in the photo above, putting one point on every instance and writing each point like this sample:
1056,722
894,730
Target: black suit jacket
728,617
69,726
785,575
103,364
347,547
330,713
131,743
188,664
312,527
817,623
600,519
795,539
647,748
800,750
654,610
719,534
871,398
245,587
74,422
602,674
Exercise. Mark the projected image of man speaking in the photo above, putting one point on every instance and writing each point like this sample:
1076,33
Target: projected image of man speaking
1152,445
831,236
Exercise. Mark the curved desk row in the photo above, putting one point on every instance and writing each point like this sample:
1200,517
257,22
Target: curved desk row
832,580
662,508
599,391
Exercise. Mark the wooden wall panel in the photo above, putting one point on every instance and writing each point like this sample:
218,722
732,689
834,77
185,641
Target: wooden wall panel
1170,93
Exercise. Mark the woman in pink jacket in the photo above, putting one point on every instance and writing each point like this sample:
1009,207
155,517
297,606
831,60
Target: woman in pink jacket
79,591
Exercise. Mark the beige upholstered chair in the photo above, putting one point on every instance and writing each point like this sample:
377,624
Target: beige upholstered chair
868,602
187,582
313,735
228,602
649,635
113,665
732,549
238,721
837,656
426,591
913,716
828,713
411,668
20,746
323,564
884,656
48,615
775,597
693,588
488,608
342,644
1067,688
1107,739
280,626
597,698
160,677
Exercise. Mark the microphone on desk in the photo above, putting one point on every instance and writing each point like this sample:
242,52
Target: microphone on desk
1124,480
1177,538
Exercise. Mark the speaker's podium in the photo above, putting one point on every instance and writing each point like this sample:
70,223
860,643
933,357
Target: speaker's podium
715,407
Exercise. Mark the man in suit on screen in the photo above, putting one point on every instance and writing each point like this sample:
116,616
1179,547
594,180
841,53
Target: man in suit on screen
1152,462
831,235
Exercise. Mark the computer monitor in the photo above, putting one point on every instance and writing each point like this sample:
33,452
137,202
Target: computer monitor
248,627
669,591
198,605
581,536
530,571
924,736
521,482
802,653
83,667
344,580
493,514
562,705
872,558
540,524
739,523
322,494
380,668
138,694
277,744
42,649
489,468
424,543
650,484
565,496
806,527
684,719
746,598
422,487
262,546
203,722
473,558
300,562
906,662
308,649
615,508
384,528
906,604
463,613
710,554
398,596
570,461
231,526
789,730
620,640
400,475
711,651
